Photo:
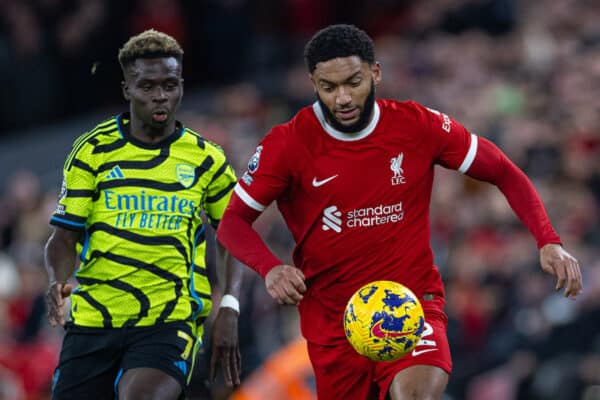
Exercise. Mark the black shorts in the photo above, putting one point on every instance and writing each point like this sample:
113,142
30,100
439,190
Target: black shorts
92,360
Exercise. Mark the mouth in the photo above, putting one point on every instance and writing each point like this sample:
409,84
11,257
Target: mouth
348,115
160,115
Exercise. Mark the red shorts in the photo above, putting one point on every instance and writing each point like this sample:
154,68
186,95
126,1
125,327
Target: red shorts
341,373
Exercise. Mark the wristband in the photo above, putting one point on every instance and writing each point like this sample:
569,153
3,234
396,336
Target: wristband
230,301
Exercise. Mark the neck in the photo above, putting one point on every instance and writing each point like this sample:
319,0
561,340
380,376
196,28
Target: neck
147,133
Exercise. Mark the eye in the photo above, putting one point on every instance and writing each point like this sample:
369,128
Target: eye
355,83
327,88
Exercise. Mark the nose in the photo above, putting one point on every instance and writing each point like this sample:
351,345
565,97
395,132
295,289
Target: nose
343,97
159,95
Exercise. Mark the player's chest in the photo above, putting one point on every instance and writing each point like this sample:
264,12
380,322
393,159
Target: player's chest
167,172
384,170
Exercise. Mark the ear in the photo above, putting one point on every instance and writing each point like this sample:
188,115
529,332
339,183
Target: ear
125,90
376,71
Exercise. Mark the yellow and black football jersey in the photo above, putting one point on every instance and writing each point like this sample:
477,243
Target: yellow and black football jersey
139,208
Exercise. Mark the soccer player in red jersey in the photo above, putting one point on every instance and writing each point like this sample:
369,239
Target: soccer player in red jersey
352,176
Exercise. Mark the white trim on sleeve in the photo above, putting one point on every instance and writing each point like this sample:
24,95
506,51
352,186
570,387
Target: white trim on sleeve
466,164
239,190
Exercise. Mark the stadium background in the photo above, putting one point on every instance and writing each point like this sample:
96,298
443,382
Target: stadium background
524,74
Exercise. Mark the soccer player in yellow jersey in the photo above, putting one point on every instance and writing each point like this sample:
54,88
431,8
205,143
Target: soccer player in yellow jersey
134,192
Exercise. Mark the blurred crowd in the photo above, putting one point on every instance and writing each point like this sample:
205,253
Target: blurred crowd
524,74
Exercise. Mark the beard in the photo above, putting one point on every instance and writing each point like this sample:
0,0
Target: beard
363,119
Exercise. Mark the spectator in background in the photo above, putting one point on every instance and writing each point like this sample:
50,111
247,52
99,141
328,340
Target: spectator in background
26,352
28,46
163,15
49,42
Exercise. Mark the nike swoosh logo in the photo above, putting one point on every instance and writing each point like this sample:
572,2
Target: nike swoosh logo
416,353
380,333
317,183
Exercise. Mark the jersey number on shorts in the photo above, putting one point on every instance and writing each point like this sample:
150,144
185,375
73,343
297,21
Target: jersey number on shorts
427,332
189,342
425,342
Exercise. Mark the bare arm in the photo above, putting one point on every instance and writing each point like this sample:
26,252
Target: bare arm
60,257
224,337
229,274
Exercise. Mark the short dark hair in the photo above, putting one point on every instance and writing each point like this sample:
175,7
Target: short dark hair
338,41
149,44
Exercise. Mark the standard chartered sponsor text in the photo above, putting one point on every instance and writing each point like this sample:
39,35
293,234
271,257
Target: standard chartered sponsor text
373,216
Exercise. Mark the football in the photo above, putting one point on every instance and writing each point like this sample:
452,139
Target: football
383,320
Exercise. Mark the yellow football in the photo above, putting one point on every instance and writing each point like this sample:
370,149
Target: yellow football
384,320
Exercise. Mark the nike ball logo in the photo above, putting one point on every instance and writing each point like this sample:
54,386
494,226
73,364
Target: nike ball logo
378,332
317,183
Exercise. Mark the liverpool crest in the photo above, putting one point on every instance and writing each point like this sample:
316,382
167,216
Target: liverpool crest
396,167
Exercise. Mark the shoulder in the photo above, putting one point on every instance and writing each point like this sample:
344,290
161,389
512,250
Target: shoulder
407,110
206,146
101,132
297,128
105,132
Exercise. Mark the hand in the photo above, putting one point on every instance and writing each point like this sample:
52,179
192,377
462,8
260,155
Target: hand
285,284
225,348
558,262
55,299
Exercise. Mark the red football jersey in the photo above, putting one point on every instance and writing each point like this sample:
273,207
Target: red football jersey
357,204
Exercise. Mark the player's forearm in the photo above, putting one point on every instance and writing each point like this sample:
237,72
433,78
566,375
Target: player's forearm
243,242
60,255
230,276
525,201
491,165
